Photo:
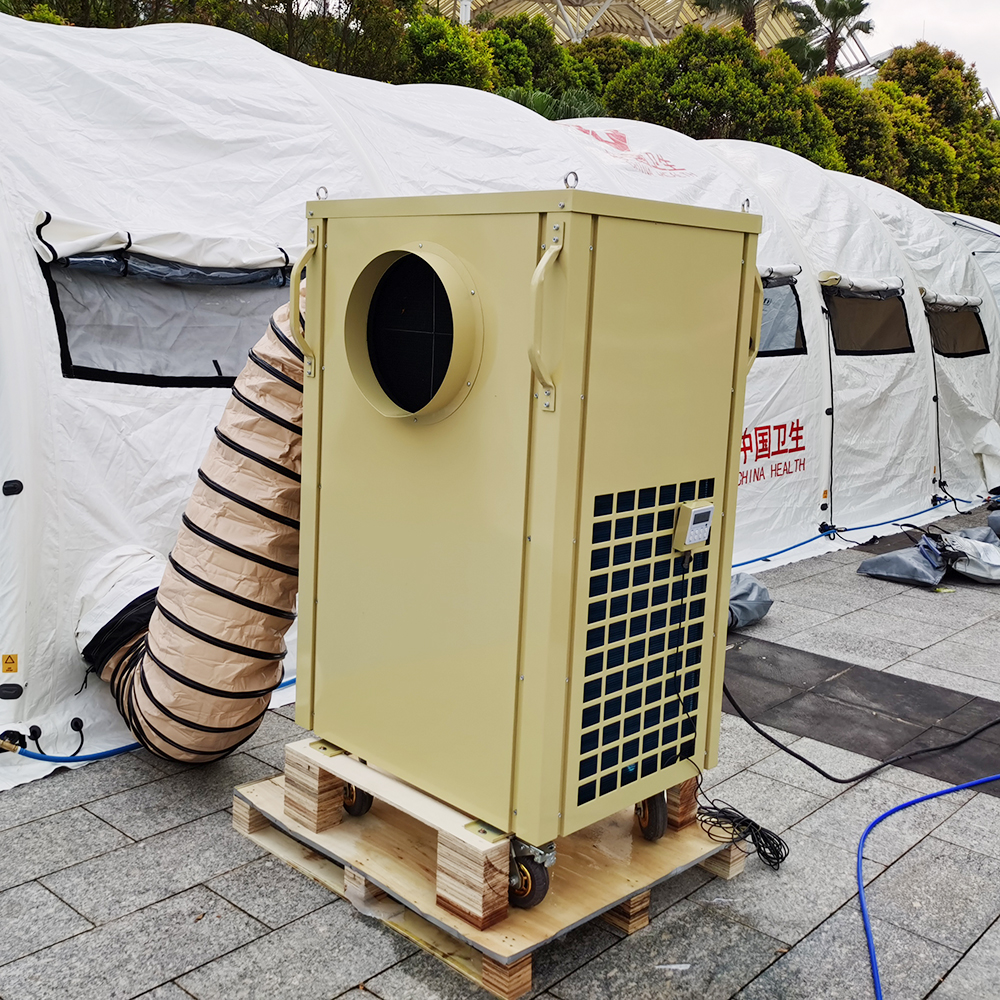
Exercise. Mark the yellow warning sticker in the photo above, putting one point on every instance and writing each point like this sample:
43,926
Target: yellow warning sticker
10,663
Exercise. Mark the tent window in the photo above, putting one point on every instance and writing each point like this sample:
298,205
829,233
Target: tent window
868,323
958,333
177,326
781,330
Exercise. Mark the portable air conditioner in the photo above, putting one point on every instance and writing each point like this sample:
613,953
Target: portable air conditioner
523,418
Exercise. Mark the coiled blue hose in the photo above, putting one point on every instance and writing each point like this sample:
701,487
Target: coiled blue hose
861,885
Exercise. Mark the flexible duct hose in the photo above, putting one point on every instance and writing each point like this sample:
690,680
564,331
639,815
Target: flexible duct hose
197,683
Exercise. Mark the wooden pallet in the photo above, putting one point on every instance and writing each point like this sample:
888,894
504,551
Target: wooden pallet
390,857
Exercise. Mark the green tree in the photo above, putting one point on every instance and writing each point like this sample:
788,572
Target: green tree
957,114
511,58
44,13
833,23
808,58
608,54
865,133
930,169
745,10
553,68
569,104
364,37
437,51
717,85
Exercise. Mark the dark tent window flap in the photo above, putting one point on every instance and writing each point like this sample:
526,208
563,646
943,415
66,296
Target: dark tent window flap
138,320
781,331
957,333
868,322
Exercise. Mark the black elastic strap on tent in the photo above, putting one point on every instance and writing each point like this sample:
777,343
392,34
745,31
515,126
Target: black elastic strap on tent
235,549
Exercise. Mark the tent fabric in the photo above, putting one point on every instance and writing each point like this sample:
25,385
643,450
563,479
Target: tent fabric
189,144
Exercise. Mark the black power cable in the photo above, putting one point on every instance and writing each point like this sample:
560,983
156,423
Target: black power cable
864,774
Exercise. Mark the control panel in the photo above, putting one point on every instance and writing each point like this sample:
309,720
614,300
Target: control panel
694,523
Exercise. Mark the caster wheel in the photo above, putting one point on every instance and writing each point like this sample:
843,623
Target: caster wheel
652,816
532,886
356,802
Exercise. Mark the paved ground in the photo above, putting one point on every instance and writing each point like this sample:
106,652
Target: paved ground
124,879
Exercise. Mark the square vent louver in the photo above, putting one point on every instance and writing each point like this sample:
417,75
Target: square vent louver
646,622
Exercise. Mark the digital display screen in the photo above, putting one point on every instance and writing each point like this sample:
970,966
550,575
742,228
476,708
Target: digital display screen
702,516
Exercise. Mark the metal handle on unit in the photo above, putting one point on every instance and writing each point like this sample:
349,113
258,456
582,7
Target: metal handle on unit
294,321
755,319
535,349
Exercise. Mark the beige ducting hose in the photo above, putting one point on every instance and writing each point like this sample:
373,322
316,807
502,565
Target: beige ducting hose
197,683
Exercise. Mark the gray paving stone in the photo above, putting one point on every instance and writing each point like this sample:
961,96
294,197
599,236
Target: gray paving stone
842,821
946,679
839,639
272,754
179,798
984,635
948,610
972,661
133,955
163,765
69,788
53,842
169,991
318,956
675,889
814,881
135,876
905,630
288,711
790,572
739,747
832,963
783,619
975,975
275,728
723,955
271,891
32,919
819,594
939,890
771,803
975,826
423,977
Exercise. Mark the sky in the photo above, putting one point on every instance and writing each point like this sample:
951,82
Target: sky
970,27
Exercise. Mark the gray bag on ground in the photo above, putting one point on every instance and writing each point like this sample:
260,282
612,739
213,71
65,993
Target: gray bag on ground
922,564
749,601
977,560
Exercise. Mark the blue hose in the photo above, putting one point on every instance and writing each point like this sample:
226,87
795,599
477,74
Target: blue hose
861,885
860,527
106,753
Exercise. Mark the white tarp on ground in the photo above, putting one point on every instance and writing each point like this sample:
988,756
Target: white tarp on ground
188,144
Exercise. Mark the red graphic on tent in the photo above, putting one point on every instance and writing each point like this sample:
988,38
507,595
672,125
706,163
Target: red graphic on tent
770,441
616,143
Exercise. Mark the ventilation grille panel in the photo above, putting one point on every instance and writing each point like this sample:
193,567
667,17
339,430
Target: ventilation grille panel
645,629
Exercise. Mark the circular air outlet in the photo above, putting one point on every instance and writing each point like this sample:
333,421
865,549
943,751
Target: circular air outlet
414,333
410,333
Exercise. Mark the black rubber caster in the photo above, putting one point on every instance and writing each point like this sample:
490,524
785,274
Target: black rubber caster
356,802
652,816
533,883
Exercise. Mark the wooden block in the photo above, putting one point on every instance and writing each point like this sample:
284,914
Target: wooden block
359,890
313,797
728,863
630,916
682,804
472,883
507,981
246,819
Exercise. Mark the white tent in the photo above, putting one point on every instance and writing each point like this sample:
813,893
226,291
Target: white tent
169,166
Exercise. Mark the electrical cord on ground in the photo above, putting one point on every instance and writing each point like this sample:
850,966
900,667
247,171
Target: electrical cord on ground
865,918
864,774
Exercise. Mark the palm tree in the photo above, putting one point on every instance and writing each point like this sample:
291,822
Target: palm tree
745,10
833,22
